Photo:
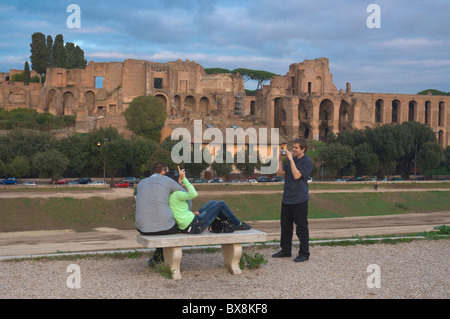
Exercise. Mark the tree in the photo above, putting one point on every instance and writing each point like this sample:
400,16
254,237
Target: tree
216,70
19,167
76,149
49,50
39,53
26,74
146,116
224,168
336,156
248,165
80,61
195,169
390,142
257,75
116,155
430,156
420,134
59,52
365,160
71,62
140,152
50,164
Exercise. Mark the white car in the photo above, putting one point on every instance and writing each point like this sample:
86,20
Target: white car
252,181
310,179
29,183
97,183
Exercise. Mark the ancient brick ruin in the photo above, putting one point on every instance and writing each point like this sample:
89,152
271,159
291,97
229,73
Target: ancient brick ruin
302,103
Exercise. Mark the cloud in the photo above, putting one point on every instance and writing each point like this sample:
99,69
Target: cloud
265,34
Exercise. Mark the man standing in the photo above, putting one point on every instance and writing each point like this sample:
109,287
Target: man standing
153,214
294,207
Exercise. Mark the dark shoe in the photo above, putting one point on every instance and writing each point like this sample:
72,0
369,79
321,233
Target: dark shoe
280,254
243,226
300,259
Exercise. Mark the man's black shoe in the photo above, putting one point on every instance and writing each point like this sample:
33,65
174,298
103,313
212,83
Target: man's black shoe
300,259
280,254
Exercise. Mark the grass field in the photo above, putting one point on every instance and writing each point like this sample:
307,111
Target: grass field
20,214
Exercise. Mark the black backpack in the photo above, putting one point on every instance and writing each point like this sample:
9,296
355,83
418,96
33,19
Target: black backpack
221,226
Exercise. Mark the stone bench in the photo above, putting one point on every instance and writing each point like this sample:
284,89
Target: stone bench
231,246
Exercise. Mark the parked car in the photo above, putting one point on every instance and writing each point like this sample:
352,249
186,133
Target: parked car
97,183
278,179
61,181
310,179
122,184
251,180
83,180
131,180
198,180
398,179
10,181
216,180
235,181
29,183
262,179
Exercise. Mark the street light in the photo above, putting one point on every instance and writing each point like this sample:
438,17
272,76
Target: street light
99,144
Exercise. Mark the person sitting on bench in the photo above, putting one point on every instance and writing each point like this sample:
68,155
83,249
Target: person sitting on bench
197,222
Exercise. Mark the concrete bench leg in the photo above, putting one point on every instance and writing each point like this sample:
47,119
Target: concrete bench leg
172,258
231,255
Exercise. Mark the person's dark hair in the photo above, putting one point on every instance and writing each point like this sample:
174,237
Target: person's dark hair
302,143
173,175
158,167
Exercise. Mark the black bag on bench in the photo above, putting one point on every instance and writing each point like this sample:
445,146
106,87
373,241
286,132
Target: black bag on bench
221,226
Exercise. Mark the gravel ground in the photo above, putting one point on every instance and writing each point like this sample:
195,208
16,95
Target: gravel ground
420,269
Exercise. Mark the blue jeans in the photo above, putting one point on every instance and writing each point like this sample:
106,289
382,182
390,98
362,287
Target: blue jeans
208,214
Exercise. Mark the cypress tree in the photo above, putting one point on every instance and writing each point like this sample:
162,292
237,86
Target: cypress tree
39,53
50,50
26,74
59,52
70,55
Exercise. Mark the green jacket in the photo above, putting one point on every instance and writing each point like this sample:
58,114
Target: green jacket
179,206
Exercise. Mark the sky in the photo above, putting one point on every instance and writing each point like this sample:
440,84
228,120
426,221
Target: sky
406,52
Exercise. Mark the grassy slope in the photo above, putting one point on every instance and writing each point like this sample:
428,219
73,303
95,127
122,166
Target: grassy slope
20,214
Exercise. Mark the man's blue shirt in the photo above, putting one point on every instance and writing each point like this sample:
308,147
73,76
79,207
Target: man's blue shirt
297,191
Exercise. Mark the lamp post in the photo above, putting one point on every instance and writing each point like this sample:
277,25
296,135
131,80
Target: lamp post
99,144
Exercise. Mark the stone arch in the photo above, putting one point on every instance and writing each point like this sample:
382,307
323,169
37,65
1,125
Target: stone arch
68,105
379,107
305,131
89,97
396,111
189,105
164,100
204,105
177,101
50,102
252,108
440,138
412,111
346,115
326,116
427,115
441,114
280,115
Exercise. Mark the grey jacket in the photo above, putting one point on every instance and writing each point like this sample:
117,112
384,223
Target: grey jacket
152,203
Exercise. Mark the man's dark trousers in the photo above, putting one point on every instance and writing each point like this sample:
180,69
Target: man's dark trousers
298,214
